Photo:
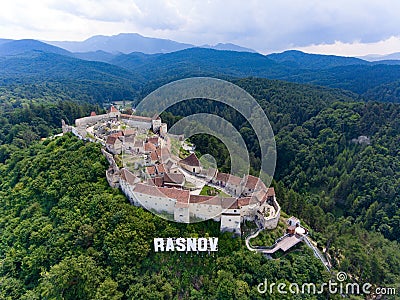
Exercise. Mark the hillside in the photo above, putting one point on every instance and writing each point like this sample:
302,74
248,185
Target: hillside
134,75
65,231
8,47
105,81
389,92
68,233
337,72
314,61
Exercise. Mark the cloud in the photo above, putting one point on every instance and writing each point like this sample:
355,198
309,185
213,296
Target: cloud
388,46
149,14
262,25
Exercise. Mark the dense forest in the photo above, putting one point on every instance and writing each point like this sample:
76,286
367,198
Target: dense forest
65,234
341,186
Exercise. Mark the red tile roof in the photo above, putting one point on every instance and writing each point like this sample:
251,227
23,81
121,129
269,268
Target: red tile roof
253,182
181,196
151,170
148,190
129,177
158,181
234,180
130,131
229,203
113,109
117,134
191,160
111,140
243,201
160,168
271,192
154,140
207,200
174,178
222,177
148,147
259,196
153,156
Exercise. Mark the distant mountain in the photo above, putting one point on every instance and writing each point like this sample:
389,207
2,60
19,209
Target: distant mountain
104,82
377,57
2,41
126,75
124,43
98,55
21,46
314,61
356,78
45,66
200,62
386,62
229,47
337,72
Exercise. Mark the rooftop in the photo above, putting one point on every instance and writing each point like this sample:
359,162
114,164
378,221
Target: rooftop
160,168
208,200
129,177
191,160
113,109
229,203
253,182
148,147
174,178
111,140
151,170
153,140
153,156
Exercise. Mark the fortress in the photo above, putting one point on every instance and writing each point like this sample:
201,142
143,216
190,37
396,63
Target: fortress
156,178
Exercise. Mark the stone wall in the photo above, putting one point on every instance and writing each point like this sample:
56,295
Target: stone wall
90,120
272,222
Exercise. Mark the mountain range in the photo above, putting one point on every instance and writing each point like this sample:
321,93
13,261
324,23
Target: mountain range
134,42
135,73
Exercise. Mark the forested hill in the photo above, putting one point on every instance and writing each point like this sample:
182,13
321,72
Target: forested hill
97,81
67,235
351,74
317,131
134,75
66,232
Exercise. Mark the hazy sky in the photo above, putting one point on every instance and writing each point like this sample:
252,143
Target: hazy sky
343,27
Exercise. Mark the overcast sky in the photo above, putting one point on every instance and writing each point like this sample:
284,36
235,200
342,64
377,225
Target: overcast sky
342,27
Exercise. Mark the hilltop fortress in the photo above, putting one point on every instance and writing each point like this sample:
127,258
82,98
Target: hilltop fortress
146,169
